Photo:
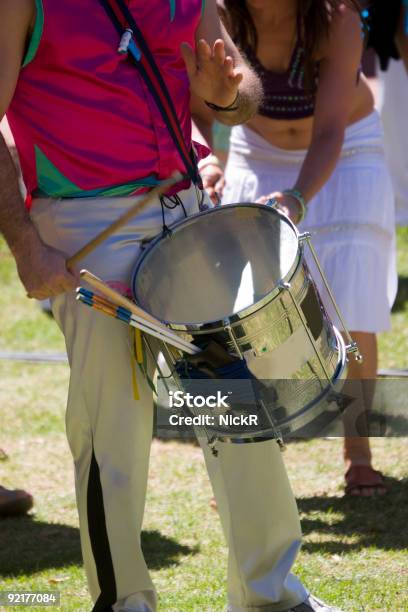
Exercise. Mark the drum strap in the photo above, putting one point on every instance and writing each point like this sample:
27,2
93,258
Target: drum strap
134,43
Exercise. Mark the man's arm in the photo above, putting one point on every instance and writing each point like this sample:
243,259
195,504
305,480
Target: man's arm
218,73
42,269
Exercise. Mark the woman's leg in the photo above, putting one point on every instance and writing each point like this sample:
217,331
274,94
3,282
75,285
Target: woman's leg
361,479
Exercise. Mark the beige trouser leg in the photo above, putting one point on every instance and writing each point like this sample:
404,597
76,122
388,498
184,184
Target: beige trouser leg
109,426
261,524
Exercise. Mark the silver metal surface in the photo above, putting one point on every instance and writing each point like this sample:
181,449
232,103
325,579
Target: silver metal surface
222,264
224,275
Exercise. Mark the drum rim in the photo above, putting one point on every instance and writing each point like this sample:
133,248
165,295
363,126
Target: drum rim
245,312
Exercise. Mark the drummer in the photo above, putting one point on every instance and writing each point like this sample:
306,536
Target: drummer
90,137
316,148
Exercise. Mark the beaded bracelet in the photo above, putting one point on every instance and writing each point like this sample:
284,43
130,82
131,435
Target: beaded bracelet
224,109
295,193
274,202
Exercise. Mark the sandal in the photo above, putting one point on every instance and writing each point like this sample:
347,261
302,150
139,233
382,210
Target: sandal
14,502
364,481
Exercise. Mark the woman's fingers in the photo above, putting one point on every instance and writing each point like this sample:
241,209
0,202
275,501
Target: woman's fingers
228,67
219,51
236,78
203,51
219,186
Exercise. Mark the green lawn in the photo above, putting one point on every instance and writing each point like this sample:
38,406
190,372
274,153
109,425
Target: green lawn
355,551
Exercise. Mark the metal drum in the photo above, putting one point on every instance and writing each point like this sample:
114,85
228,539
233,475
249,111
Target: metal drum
237,274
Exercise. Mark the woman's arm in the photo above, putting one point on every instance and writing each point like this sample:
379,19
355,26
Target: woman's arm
337,85
336,90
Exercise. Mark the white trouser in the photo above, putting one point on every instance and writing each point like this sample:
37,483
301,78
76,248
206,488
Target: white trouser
109,427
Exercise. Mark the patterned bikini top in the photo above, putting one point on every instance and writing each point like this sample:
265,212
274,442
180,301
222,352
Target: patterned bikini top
285,94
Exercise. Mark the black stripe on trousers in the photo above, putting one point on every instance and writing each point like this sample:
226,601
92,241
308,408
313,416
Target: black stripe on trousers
99,541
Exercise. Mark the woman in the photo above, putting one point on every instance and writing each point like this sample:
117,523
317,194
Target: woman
316,146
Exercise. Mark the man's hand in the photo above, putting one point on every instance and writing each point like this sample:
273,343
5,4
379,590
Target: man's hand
287,204
211,72
43,272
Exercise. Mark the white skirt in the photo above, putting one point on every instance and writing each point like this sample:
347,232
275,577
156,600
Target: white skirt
395,120
351,218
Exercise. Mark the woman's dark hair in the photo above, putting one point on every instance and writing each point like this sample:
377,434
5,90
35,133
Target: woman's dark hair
313,25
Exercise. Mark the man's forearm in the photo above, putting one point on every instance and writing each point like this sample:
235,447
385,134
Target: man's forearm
249,98
15,223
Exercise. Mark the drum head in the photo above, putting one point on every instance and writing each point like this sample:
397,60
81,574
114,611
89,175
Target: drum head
216,264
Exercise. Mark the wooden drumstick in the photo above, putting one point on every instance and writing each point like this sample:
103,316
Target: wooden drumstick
154,194
123,314
118,298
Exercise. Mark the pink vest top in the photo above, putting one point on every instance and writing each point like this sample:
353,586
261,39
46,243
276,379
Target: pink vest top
82,118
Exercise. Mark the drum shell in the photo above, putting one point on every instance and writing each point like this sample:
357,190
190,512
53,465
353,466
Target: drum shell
279,352
288,342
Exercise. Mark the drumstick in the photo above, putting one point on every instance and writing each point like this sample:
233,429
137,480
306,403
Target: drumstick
118,298
152,195
125,313
113,312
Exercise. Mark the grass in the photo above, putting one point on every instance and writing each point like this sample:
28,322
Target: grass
354,553
393,346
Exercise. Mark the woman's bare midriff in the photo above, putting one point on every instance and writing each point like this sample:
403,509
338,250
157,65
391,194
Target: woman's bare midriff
296,133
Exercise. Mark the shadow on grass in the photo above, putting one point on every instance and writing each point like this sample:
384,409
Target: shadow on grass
378,522
28,546
402,296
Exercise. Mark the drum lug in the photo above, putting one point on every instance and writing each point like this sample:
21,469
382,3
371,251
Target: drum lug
285,286
211,444
353,348
305,237
281,444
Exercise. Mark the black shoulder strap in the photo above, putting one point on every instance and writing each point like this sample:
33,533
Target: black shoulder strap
133,43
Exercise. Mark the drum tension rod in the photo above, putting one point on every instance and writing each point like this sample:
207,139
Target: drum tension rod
352,346
232,338
277,434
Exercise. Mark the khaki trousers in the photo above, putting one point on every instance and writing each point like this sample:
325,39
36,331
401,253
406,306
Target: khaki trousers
109,428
